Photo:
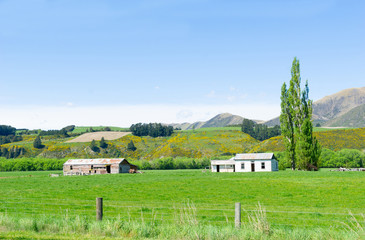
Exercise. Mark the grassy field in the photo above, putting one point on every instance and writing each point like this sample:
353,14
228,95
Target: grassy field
292,200
213,129
82,129
326,129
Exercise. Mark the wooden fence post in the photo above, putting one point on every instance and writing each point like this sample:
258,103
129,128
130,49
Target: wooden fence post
237,215
99,209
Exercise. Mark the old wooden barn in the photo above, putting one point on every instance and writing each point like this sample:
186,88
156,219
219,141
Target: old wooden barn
97,166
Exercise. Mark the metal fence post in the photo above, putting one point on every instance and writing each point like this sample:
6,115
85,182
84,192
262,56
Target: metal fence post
99,209
237,215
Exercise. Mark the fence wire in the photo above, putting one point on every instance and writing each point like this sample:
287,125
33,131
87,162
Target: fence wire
172,212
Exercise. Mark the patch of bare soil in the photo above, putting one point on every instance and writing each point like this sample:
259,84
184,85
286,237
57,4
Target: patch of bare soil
88,137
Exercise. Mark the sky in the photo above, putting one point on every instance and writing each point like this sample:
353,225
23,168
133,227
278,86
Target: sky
110,62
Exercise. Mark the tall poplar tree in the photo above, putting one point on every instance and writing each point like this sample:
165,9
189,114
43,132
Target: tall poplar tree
287,125
296,125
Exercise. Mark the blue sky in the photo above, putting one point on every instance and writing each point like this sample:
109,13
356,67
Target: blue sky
111,62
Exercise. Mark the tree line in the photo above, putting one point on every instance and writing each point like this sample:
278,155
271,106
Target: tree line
63,132
151,129
260,132
6,130
31,164
8,135
346,158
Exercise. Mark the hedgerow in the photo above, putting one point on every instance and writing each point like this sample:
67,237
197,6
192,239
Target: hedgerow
31,164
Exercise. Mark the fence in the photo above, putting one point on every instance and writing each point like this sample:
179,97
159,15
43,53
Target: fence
166,211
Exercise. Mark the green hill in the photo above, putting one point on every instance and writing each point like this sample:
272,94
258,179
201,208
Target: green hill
206,142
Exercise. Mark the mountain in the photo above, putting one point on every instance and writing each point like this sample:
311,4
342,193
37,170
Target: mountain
335,105
353,118
342,109
221,120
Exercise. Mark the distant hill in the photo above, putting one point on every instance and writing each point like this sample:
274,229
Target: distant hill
273,122
353,118
335,105
221,120
342,109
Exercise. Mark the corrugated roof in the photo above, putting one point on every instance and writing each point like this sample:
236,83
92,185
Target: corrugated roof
254,156
222,162
94,161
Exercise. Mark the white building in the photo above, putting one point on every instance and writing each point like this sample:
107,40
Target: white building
246,162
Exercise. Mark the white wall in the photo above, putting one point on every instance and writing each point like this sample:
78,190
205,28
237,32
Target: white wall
223,168
258,166
270,165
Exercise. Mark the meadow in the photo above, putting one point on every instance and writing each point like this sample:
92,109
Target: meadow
83,129
304,203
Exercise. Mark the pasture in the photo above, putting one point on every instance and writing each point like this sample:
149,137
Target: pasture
83,129
293,201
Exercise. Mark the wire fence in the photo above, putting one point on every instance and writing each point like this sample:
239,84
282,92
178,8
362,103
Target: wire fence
166,211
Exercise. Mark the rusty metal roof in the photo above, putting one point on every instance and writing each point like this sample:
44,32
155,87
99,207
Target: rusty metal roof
223,162
95,161
254,156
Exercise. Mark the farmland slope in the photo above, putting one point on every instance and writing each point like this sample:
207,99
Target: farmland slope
204,142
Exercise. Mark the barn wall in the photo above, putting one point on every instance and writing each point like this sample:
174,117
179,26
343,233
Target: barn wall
124,168
274,165
114,168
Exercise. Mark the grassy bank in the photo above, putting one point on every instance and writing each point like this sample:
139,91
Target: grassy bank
184,227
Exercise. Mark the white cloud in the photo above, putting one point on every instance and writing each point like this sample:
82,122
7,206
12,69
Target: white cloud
211,94
34,117
184,114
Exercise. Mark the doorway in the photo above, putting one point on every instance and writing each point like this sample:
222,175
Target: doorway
252,167
108,168
217,168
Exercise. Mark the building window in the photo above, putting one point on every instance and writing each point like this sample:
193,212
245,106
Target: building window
242,165
263,165
92,166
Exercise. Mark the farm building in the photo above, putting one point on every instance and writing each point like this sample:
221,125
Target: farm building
247,162
97,166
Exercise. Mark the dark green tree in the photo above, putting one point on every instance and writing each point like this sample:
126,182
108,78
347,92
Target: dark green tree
102,143
308,148
248,127
6,130
37,143
93,146
131,146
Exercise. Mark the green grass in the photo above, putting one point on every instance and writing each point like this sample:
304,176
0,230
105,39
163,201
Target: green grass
82,129
292,199
213,129
325,129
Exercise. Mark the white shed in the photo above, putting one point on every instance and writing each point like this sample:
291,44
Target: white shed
247,162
